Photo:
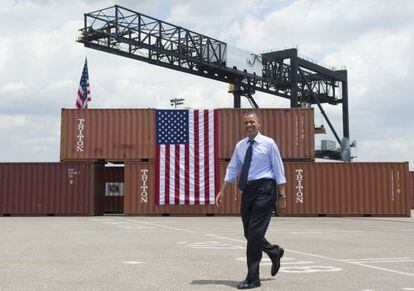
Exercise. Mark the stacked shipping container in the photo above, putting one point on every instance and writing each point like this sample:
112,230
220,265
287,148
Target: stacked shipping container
128,135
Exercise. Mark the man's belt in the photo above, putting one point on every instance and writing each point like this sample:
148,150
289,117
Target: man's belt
257,181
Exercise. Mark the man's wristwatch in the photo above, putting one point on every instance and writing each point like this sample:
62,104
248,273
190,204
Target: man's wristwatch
282,194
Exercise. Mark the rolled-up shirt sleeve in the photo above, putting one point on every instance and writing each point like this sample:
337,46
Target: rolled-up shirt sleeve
277,164
234,167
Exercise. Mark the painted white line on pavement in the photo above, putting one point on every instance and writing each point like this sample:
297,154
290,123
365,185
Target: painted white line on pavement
328,258
383,269
375,259
293,251
327,231
351,231
297,263
132,262
306,232
124,224
213,245
309,269
217,248
287,259
289,250
267,261
170,227
316,230
226,238
298,266
312,255
379,261
409,230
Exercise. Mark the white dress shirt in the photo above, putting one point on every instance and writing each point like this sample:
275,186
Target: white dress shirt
266,160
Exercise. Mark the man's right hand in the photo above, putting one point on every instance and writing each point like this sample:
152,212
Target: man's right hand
220,194
219,198
281,206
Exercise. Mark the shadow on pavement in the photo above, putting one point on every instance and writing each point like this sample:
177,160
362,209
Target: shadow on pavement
228,283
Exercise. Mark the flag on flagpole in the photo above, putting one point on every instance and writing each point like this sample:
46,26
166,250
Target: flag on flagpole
186,157
84,92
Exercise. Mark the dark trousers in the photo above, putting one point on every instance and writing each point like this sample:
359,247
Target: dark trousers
258,203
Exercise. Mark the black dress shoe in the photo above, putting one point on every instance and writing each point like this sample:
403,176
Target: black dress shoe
248,285
276,262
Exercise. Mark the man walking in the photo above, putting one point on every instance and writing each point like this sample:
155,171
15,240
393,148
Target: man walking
257,159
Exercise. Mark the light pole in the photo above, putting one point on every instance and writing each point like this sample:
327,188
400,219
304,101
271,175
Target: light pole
176,101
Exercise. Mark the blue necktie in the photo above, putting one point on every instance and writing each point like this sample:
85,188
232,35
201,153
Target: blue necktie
246,166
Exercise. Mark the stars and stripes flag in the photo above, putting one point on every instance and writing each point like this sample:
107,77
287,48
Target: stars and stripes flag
84,92
186,157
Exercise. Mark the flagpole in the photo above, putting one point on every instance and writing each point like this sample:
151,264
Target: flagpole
84,93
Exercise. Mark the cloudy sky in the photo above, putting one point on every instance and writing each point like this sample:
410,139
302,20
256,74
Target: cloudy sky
41,64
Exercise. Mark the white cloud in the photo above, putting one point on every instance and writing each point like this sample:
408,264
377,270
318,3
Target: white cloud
370,150
29,138
41,63
11,123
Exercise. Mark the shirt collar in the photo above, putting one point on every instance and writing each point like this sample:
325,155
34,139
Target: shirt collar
258,138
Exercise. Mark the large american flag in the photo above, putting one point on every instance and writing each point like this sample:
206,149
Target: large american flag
186,157
84,92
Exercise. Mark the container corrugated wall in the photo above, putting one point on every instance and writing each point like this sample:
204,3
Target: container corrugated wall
107,134
129,134
51,188
140,197
412,189
292,129
114,200
313,189
347,188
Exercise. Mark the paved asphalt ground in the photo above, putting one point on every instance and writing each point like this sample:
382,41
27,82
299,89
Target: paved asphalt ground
202,253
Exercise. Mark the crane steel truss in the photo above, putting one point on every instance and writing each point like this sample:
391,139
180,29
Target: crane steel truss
127,33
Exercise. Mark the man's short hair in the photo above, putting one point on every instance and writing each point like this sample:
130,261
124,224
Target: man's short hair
254,113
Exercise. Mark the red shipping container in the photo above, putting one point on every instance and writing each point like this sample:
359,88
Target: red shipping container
348,189
337,189
51,188
117,135
107,134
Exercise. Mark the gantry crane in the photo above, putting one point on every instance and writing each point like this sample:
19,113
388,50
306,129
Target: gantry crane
121,31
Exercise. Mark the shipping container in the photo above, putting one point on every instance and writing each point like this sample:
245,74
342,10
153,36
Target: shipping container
107,134
114,190
348,189
139,196
315,189
117,135
51,188
292,129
